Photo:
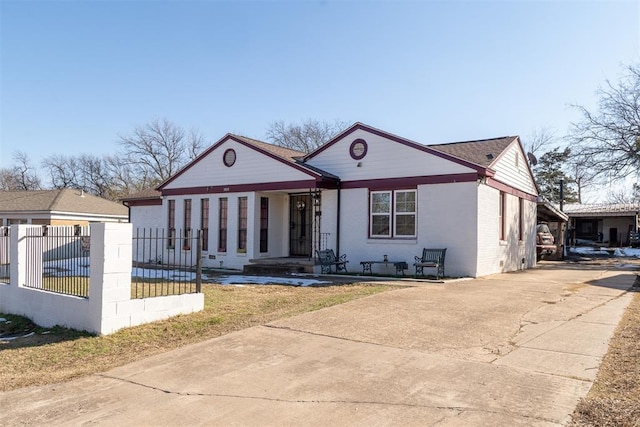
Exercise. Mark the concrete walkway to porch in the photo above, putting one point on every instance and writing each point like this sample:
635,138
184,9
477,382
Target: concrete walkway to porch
509,349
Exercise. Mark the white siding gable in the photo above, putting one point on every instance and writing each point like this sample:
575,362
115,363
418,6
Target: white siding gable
251,167
385,158
512,169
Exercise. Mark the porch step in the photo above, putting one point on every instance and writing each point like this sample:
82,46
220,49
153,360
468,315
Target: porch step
278,266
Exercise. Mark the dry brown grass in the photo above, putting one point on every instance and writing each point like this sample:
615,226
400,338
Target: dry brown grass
614,399
64,354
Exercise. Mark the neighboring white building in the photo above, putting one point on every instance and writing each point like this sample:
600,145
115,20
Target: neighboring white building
64,206
366,193
606,223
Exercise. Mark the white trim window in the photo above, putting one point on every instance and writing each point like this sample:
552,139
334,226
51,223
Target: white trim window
393,214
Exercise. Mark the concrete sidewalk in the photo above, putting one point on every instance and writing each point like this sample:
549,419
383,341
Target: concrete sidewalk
510,349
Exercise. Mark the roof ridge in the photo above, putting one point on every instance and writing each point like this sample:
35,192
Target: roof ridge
272,148
56,199
473,140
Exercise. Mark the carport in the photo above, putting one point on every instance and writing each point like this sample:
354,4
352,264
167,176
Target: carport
557,221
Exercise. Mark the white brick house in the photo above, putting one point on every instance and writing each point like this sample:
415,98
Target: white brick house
366,193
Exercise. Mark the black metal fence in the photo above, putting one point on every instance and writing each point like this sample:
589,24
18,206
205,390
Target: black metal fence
57,259
5,241
166,262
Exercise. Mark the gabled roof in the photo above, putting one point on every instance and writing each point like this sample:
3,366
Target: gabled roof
284,155
282,152
62,200
602,209
148,194
462,154
484,152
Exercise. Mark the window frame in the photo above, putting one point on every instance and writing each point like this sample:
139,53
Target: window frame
223,218
243,216
520,219
204,223
502,216
171,224
264,224
393,214
187,214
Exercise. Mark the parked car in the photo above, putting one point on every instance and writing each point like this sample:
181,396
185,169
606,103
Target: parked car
545,243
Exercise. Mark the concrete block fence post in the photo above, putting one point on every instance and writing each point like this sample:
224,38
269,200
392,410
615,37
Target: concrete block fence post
110,276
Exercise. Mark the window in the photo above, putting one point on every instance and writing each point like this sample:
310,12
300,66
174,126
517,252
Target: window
242,224
393,213
264,224
405,213
204,223
186,243
171,225
502,215
380,214
520,219
222,224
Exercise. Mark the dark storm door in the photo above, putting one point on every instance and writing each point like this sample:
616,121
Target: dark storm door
300,225
613,236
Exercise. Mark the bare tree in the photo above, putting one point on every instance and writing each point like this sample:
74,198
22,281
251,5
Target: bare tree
540,140
159,148
624,196
22,176
608,141
304,137
62,170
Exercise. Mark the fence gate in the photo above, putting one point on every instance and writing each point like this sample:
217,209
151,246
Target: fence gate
58,259
166,262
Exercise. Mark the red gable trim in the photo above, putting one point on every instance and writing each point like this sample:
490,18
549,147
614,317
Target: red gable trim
480,170
224,139
241,188
510,190
409,182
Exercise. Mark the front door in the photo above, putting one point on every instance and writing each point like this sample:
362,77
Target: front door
300,225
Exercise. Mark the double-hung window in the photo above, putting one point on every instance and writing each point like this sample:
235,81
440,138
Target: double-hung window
171,225
186,244
393,214
204,223
242,224
222,225
502,216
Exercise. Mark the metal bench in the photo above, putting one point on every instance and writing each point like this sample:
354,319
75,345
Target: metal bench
327,258
431,258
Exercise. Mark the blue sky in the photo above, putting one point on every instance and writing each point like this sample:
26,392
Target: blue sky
76,74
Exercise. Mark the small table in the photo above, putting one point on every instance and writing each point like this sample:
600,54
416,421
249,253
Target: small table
400,266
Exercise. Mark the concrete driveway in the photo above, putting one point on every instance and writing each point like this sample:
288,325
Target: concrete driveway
510,349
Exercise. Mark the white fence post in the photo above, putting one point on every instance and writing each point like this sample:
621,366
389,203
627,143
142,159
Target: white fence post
110,277
18,255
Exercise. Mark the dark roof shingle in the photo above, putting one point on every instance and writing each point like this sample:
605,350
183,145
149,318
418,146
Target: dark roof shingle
482,152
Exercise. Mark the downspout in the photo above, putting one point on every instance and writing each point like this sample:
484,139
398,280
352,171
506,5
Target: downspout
128,210
338,223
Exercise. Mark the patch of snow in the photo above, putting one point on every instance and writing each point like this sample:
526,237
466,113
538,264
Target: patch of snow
616,252
628,266
13,337
67,267
163,274
266,280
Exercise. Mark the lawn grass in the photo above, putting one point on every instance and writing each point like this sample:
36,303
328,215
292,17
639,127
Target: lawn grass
54,355
614,398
